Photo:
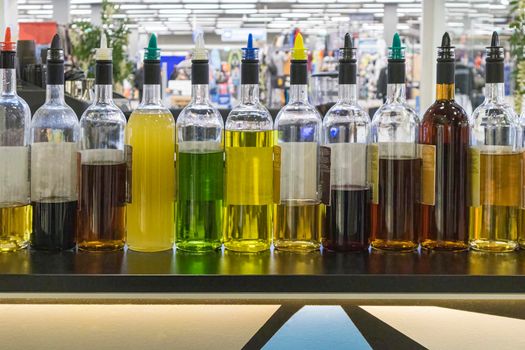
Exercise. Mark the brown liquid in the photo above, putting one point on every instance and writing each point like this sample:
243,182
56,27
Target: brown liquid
394,217
102,206
444,224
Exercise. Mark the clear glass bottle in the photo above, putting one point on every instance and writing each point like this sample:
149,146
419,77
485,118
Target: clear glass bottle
249,165
103,177
521,218
297,218
15,118
496,164
55,132
151,134
346,129
200,164
394,163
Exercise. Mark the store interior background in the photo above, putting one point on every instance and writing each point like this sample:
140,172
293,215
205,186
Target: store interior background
226,24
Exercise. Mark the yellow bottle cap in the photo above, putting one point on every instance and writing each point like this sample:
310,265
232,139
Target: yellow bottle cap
299,52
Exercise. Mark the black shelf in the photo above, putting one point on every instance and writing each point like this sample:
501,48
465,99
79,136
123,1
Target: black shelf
271,272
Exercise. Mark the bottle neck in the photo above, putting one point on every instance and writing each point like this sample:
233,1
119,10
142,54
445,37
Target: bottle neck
151,95
396,93
445,91
200,93
103,94
249,93
8,81
298,93
495,92
348,93
55,94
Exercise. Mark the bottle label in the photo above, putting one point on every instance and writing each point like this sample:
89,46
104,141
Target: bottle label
128,156
276,174
373,171
427,153
474,169
102,156
299,169
53,170
348,164
14,175
324,174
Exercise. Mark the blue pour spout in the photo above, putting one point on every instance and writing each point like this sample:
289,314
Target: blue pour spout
250,52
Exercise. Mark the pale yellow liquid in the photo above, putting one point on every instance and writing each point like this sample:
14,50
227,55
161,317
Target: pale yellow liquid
298,226
15,227
150,218
249,190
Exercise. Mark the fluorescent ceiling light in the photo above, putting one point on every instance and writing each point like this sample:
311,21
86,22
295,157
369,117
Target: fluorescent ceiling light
240,11
132,7
295,15
202,6
279,25
237,6
457,4
165,6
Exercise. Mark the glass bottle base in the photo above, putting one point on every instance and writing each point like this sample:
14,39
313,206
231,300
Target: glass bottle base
101,246
149,249
349,246
296,246
394,245
445,246
12,245
497,246
522,243
198,246
247,245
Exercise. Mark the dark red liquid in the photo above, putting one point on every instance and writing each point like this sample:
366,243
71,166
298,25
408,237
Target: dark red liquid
394,217
54,225
102,206
348,219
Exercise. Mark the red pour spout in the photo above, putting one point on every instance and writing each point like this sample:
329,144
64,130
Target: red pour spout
7,44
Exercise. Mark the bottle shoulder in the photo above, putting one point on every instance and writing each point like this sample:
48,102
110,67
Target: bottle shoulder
445,112
103,113
249,117
201,114
395,112
14,105
490,113
346,113
54,116
298,113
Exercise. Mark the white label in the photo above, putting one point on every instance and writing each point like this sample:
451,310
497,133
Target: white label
14,175
199,146
102,155
398,150
348,164
53,170
299,169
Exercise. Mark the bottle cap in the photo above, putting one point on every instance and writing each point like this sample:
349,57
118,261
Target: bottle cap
55,53
152,51
7,44
348,52
199,52
396,52
249,52
103,53
299,52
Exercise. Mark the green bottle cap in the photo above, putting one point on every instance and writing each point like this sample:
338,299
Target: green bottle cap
152,51
397,52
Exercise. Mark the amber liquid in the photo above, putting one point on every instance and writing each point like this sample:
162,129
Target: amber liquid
394,217
15,227
444,224
297,226
102,206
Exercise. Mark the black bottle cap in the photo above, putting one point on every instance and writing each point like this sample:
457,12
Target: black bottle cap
199,72
104,73
298,67
55,62
396,62
445,61
250,63
152,62
348,62
494,61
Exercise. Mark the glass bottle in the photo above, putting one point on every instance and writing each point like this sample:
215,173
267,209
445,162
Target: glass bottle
55,132
104,171
297,222
346,128
249,165
496,164
200,164
394,163
521,218
15,117
444,143
151,134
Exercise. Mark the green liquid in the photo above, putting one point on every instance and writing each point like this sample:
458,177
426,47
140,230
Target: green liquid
199,201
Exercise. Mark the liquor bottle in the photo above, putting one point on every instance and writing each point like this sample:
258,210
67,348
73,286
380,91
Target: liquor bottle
15,118
55,132
103,177
496,164
151,134
200,164
394,163
249,165
297,223
346,128
444,143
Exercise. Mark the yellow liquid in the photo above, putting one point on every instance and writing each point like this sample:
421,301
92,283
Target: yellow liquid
151,218
298,226
15,227
249,190
493,221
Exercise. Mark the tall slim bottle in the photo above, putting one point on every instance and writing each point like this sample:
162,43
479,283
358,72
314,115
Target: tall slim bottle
394,163
200,164
297,223
444,143
15,118
55,132
346,128
151,134
103,170
249,165
496,169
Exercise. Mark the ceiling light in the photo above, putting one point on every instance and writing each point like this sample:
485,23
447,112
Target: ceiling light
295,15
